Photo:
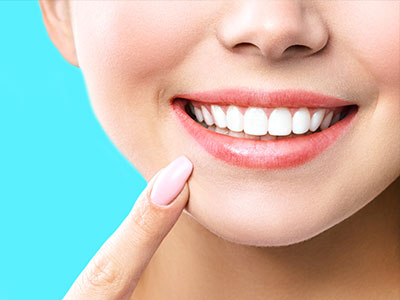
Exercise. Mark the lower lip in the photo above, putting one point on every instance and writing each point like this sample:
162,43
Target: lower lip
257,154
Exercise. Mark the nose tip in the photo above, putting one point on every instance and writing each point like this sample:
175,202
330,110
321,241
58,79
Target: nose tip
275,30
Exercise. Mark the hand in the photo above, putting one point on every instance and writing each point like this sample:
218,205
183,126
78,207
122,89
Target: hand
115,270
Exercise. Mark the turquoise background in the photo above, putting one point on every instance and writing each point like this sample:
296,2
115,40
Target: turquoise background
64,187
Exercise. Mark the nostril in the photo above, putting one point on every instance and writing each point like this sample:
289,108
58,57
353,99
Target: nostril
297,48
243,45
246,48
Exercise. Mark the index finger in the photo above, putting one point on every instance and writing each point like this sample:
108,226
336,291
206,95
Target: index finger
115,270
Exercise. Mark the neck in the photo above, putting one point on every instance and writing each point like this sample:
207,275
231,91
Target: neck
358,258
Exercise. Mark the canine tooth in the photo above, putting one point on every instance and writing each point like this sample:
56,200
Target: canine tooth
301,121
327,120
335,119
255,121
207,116
222,130
198,114
219,116
234,119
280,122
317,119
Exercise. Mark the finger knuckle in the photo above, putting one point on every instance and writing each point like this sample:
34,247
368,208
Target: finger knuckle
143,218
103,272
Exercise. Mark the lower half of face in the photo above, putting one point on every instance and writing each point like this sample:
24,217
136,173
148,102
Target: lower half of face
265,173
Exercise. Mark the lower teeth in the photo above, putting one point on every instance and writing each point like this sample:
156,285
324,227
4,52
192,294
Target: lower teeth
266,137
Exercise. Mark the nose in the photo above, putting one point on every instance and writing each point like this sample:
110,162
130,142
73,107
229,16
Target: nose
274,29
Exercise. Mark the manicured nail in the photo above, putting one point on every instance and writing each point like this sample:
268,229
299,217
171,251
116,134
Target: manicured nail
171,181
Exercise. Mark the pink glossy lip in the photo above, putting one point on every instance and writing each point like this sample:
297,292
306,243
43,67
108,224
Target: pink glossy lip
268,154
280,98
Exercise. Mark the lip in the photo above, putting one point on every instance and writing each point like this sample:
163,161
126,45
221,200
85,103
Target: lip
264,154
278,98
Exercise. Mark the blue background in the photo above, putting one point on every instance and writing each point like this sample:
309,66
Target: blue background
64,187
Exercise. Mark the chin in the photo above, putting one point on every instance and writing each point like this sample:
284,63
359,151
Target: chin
265,223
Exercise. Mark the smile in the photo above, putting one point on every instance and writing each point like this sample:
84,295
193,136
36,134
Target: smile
255,129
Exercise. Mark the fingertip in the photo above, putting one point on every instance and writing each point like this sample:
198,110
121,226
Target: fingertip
171,181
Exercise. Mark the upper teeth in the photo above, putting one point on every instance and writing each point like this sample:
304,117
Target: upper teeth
280,121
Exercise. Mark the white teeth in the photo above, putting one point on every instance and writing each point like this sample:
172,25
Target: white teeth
335,118
301,121
207,116
317,119
198,114
327,120
255,124
280,122
219,116
255,121
234,119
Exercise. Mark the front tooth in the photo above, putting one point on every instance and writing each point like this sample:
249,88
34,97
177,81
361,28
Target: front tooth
219,116
327,120
234,119
207,116
255,121
198,114
301,121
317,119
280,122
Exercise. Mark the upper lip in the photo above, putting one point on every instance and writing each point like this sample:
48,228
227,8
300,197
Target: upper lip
262,98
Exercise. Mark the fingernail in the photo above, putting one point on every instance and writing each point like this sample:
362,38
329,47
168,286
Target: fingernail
171,180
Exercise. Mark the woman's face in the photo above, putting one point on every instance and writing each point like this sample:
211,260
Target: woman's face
138,55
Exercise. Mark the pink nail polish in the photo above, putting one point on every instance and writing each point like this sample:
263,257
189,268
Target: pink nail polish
171,180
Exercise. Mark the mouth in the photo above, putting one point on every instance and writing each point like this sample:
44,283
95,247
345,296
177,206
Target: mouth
255,129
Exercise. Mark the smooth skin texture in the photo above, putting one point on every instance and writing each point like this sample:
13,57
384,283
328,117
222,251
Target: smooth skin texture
336,218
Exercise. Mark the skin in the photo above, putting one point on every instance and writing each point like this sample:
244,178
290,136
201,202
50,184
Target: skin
328,229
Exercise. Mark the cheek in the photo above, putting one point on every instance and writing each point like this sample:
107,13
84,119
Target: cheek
373,34
382,47
136,39
126,50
